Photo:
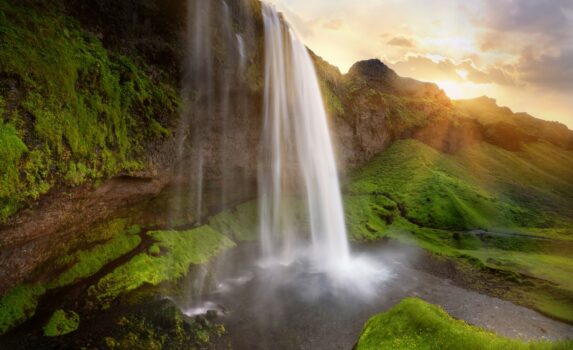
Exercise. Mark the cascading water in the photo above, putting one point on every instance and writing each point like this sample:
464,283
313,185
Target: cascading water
296,144
213,124
303,237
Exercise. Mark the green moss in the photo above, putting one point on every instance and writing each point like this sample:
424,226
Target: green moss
18,305
162,327
85,113
115,239
240,223
182,248
62,323
12,148
154,250
87,262
368,216
415,324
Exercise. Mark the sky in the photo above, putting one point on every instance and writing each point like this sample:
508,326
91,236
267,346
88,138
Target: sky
519,52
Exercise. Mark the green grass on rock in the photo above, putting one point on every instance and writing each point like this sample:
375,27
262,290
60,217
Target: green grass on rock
62,323
415,324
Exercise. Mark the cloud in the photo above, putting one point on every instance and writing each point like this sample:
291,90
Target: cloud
401,41
548,71
333,24
492,41
424,68
541,17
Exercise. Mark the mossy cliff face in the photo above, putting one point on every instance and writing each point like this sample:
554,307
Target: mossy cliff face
73,111
90,120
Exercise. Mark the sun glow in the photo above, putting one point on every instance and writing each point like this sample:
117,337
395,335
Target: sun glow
461,90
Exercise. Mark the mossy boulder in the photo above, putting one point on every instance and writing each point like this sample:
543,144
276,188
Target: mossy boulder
61,323
415,324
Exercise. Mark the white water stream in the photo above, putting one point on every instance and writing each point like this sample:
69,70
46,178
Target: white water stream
296,144
301,216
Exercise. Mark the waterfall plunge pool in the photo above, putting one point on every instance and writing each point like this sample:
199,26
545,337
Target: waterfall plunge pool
294,307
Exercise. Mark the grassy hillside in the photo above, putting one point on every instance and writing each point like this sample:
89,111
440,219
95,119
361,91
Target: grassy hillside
482,186
506,212
415,324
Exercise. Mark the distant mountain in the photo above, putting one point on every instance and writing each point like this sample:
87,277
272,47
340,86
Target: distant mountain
525,127
372,106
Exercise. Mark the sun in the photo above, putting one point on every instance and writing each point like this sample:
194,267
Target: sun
462,90
454,90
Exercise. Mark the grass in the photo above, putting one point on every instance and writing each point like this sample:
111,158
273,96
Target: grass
178,250
520,201
473,189
80,113
415,324
62,323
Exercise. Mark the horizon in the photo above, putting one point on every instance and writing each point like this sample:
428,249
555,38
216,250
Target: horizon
522,58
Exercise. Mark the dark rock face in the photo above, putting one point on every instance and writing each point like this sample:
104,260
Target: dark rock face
450,135
375,72
150,29
47,230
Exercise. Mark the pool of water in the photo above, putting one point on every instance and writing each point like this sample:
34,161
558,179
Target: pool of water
293,306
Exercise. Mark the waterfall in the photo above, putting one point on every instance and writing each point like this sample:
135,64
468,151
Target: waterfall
297,165
301,217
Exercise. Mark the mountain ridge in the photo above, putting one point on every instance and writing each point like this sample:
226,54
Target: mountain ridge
373,97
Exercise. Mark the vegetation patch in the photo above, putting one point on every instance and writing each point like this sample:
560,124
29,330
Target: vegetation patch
499,211
87,262
61,323
20,304
70,110
160,326
179,249
472,189
240,222
415,324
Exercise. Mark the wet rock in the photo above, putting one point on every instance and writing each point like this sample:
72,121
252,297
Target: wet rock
212,315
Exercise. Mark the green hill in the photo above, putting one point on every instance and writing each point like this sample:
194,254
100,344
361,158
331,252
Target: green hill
482,186
501,211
